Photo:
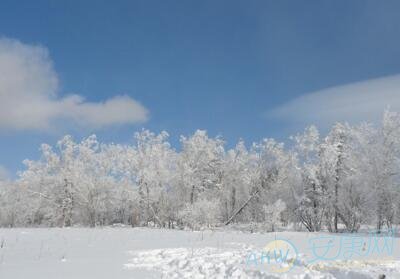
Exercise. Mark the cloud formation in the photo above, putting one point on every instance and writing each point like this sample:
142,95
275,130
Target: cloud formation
29,95
353,103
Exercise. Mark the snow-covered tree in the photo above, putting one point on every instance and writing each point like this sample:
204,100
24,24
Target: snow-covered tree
153,166
200,161
273,214
312,203
236,181
348,178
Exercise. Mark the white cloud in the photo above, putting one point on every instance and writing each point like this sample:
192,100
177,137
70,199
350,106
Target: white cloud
354,103
4,174
29,95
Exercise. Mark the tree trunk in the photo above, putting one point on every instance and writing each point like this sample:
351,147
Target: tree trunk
242,207
192,195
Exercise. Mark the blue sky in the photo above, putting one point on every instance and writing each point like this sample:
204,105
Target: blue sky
240,69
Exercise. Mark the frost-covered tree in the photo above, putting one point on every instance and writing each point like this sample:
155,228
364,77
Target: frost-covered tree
312,203
336,150
331,170
70,185
347,185
273,214
267,170
348,178
154,167
201,213
200,165
236,181
382,157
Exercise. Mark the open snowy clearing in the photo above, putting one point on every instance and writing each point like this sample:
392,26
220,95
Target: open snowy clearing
153,253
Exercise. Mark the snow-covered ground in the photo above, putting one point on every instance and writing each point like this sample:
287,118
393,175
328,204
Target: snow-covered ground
153,253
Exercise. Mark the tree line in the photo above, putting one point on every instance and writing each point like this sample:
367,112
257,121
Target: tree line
340,181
